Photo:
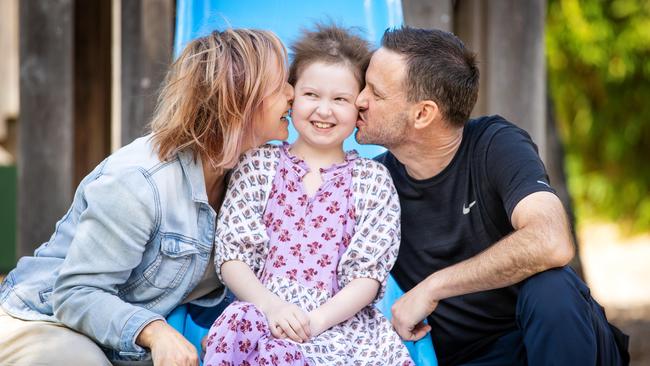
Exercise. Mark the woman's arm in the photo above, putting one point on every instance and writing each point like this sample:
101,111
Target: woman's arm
108,244
350,300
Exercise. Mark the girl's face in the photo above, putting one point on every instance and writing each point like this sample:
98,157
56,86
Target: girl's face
271,122
323,110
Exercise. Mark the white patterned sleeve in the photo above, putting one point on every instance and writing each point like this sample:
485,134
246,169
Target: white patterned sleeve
241,234
374,245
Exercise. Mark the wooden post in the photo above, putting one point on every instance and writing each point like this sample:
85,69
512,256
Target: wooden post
429,14
470,26
46,127
147,29
92,87
508,37
516,65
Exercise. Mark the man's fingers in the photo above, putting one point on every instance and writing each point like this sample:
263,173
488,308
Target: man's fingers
420,331
403,332
410,333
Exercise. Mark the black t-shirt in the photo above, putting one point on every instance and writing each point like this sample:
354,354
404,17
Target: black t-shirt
459,213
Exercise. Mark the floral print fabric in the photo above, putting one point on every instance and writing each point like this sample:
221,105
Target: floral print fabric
304,249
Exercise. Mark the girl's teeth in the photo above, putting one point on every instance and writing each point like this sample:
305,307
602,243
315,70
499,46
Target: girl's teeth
322,125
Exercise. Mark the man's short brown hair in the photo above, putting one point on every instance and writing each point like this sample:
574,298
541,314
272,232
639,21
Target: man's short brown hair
439,68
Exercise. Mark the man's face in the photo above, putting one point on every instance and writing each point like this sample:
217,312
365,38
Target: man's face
383,117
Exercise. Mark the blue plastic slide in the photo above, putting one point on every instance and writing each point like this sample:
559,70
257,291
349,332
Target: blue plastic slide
195,18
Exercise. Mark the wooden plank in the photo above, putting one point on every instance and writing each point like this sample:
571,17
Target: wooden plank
470,25
516,66
429,14
147,29
46,128
92,85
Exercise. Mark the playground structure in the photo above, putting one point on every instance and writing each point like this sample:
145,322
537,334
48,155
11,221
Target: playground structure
90,71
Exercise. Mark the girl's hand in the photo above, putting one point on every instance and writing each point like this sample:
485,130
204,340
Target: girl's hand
317,323
287,320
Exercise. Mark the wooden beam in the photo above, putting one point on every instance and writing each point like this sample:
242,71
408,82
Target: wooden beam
429,14
147,29
92,86
516,66
470,25
46,128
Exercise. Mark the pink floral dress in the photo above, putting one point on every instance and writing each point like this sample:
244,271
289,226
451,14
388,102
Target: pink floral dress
304,249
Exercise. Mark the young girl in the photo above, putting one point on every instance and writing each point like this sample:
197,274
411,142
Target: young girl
308,233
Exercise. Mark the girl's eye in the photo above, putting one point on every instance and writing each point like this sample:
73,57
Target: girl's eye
341,99
310,94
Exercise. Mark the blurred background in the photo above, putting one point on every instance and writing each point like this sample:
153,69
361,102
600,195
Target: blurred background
79,79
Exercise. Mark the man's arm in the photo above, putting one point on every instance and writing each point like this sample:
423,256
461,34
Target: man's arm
541,241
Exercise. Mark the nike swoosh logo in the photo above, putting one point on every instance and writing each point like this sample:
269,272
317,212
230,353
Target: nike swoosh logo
467,208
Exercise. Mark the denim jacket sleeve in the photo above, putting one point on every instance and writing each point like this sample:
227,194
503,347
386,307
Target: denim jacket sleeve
122,214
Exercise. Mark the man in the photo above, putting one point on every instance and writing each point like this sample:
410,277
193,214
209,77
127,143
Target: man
485,240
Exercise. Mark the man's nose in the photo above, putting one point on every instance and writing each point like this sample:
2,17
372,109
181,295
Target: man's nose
362,102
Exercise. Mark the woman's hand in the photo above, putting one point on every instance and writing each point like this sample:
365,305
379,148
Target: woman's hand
287,320
168,347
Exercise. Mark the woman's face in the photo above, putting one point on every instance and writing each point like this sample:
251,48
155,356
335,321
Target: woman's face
271,121
323,112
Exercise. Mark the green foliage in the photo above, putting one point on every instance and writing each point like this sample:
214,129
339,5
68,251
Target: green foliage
598,55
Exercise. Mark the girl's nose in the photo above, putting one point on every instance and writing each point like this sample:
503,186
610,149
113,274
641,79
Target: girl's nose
324,109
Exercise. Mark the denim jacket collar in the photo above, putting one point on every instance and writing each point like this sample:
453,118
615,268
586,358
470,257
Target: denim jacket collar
193,170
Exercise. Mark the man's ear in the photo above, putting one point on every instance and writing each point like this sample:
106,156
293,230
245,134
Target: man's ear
425,113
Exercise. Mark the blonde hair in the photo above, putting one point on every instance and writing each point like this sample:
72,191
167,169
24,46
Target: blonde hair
213,91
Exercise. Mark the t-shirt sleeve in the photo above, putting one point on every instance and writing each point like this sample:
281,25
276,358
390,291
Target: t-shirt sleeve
373,248
241,234
514,168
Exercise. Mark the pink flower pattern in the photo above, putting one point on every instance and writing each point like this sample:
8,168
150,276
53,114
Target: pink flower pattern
304,257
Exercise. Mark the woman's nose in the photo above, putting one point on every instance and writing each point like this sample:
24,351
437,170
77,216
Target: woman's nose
288,91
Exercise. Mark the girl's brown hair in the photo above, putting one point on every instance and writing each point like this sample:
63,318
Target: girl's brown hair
329,44
212,92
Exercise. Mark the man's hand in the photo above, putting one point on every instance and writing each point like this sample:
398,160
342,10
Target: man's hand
409,312
287,320
168,347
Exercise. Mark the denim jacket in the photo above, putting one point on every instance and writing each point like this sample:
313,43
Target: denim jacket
135,242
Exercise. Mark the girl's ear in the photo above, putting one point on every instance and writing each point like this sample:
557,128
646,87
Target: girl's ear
424,113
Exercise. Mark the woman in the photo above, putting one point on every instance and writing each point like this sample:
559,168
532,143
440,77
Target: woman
138,238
